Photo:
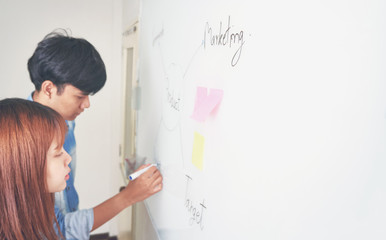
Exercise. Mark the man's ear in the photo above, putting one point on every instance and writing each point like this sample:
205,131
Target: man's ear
48,88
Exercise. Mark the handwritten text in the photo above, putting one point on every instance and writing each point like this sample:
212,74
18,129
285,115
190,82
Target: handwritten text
226,38
195,210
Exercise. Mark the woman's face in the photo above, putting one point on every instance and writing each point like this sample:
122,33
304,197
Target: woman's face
57,167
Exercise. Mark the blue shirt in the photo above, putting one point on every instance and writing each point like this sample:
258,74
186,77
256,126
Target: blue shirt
60,219
74,223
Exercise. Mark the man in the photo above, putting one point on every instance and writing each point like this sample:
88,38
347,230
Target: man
65,71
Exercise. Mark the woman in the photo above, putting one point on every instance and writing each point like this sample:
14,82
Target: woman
33,165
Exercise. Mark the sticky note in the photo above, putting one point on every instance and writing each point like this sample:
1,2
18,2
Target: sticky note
205,103
198,151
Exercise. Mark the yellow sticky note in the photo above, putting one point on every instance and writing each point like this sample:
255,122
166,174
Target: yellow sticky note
198,150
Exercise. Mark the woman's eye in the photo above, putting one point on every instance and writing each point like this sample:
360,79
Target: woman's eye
59,154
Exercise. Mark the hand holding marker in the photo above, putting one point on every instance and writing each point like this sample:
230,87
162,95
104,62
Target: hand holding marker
140,172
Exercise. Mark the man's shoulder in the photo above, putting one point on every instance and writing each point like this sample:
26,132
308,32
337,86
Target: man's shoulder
30,97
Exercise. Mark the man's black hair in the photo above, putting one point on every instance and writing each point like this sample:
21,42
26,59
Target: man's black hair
67,60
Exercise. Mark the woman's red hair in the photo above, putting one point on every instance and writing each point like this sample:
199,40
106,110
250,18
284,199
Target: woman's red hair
27,130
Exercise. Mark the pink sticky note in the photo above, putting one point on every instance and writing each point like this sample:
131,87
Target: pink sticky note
205,103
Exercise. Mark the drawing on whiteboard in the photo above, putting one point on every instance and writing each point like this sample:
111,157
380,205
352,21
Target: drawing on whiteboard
168,147
196,210
181,152
159,35
226,38
174,101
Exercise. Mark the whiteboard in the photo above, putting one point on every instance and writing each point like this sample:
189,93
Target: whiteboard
296,146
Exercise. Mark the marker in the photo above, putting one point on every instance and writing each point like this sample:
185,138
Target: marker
140,172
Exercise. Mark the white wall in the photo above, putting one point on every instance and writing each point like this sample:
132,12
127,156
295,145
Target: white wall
130,12
23,24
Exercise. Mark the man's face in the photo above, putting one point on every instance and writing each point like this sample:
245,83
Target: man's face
70,103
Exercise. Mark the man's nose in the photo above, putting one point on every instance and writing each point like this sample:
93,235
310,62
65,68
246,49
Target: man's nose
86,102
